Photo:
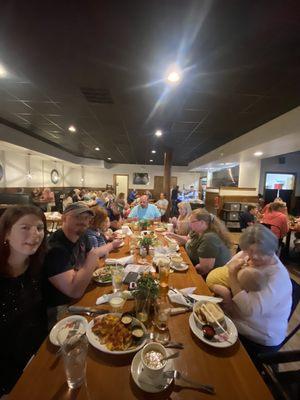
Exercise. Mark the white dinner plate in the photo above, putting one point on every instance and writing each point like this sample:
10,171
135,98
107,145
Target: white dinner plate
183,267
233,333
143,382
67,324
160,229
96,277
94,340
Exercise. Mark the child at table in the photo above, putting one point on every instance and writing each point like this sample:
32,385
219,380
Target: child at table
251,279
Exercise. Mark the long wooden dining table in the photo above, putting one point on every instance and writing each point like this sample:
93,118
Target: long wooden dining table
229,370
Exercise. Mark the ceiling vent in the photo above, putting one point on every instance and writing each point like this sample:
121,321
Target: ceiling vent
99,96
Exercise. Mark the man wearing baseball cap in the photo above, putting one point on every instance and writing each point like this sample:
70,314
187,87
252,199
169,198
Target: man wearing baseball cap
70,261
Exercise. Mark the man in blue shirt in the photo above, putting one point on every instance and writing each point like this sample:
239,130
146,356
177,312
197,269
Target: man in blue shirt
145,210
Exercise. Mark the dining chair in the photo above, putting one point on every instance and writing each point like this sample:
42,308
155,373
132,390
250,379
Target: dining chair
283,384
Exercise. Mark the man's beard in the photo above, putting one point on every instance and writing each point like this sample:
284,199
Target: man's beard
80,230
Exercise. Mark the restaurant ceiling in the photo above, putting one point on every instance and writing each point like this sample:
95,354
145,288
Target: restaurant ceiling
99,65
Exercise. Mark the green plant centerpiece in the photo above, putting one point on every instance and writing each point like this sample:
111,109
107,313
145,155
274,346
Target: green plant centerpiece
146,242
144,224
145,296
147,287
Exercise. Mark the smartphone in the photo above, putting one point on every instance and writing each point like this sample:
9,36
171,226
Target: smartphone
131,277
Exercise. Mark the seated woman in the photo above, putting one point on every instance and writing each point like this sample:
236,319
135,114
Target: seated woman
68,199
114,216
122,204
23,313
181,224
277,219
261,317
97,229
208,245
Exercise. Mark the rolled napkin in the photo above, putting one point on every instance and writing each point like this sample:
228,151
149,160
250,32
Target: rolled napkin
104,299
164,250
199,297
126,230
177,296
126,294
120,261
140,269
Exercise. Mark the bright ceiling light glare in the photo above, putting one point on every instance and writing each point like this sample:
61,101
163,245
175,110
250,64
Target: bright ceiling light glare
72,128
97,148
153,151
108,158
151,160
258,153
174,75
158,133
3,72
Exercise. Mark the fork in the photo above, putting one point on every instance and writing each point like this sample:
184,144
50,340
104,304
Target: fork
196,385
190,302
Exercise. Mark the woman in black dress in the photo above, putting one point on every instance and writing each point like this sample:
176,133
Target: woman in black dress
23,324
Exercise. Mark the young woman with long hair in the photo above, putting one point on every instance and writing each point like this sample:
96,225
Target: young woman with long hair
23,324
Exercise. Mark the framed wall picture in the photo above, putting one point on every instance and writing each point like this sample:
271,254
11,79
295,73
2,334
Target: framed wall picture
141,178
54,176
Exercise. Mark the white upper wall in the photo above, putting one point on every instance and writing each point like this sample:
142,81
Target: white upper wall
17,164
278,136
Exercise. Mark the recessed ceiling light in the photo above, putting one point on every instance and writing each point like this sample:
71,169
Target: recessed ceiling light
82,179
72,128
158,133
97,148
3,71
258,153
173,74
153,151
151,160
109,158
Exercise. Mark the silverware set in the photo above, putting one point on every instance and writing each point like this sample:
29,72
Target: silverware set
181,380
190,302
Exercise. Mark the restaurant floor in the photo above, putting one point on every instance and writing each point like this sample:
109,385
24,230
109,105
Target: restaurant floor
294,342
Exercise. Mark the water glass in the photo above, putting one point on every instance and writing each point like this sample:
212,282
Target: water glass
132,248
74,352
164,272
117,302
117,274
161,318
142,308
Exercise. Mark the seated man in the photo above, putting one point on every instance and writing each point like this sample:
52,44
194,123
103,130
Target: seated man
247,218
70,261
162,204
144,210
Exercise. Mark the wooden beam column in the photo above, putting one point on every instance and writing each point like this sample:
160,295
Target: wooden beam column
167,172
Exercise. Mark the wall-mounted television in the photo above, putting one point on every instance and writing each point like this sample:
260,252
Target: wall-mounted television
279,181
141,178
226,177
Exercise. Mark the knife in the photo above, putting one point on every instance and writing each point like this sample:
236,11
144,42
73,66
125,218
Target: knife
86,310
